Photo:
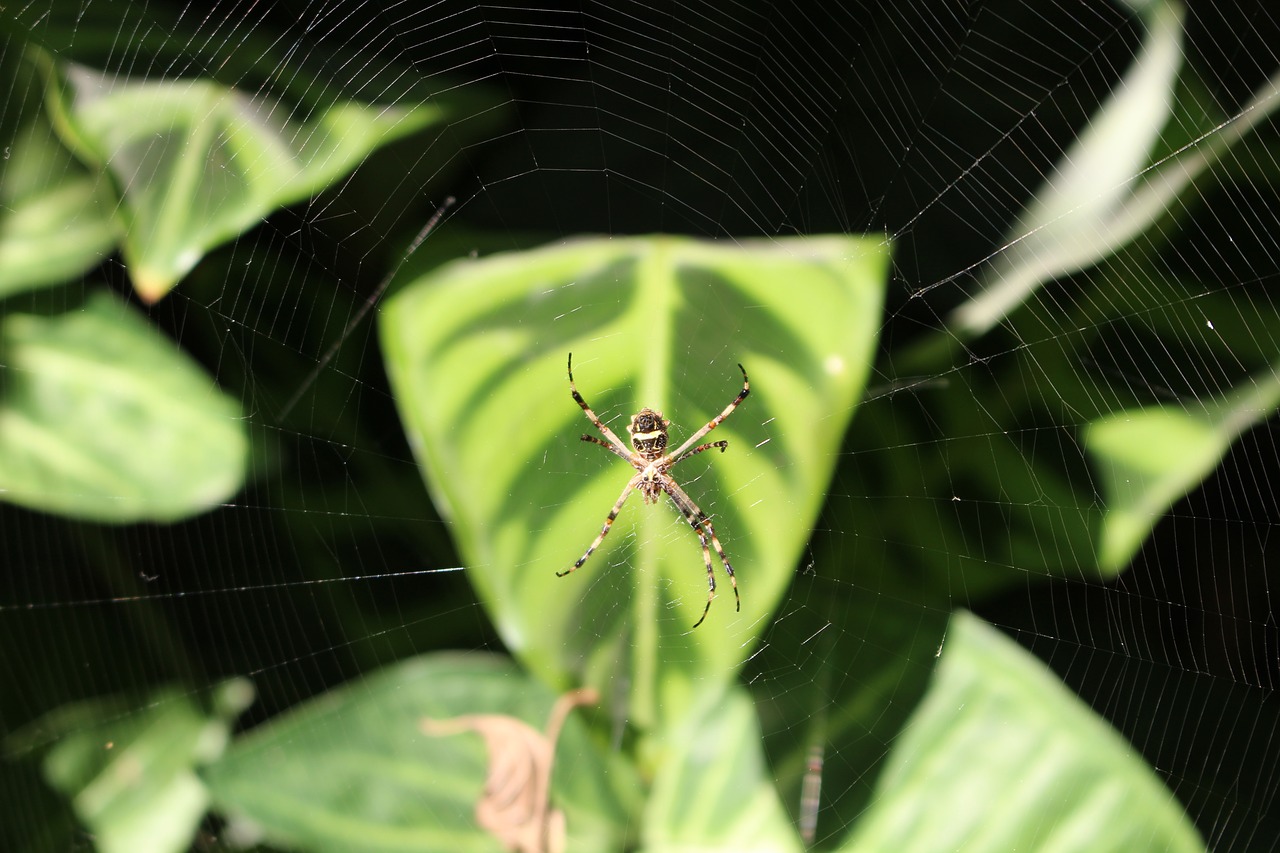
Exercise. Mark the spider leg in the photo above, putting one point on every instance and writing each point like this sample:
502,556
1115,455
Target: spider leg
604,430
699,521
711,575
608,523
715,422
607,446
701,447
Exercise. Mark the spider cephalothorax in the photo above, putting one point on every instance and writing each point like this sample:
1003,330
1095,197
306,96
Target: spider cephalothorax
648,429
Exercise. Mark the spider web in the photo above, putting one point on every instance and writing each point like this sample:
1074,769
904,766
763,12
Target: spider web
934,125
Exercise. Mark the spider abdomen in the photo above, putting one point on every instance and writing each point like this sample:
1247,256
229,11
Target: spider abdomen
649,433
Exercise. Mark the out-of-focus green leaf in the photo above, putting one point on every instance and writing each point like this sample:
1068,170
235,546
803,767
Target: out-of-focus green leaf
54,221
103,418
1000,756
353,771
476,352
714,790
1084,212
1118,180
130,774
1148,459
197,163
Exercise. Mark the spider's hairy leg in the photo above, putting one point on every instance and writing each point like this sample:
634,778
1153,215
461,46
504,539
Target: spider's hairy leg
718,419
599,424
701,524
711,575
701,447
607,446
608,523
728,567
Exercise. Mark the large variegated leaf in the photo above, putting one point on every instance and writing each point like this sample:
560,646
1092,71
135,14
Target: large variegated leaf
476,352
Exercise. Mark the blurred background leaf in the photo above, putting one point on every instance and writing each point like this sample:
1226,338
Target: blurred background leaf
196,163
103,418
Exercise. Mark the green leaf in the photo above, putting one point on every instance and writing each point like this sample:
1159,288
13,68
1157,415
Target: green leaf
842,674
104,419
1148,459
1000,756
197,163
714,790
55,223
353,771
130,775
1091,205
476,353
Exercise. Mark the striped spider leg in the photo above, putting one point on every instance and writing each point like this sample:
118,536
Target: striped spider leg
647,454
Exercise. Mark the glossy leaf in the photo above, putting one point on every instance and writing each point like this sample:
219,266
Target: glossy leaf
55,219
1000,756
131,775
354,771
1148,459
476,352
197,163
104,419
714,790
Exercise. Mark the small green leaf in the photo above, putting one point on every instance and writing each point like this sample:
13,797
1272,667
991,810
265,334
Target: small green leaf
476,352
130,775
714,790
1000,756
353,770
197,163
104,419
54,221
1148,459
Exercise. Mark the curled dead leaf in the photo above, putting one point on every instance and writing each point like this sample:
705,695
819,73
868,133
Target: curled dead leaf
515,805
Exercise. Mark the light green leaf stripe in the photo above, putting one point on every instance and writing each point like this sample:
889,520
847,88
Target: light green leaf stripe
714,791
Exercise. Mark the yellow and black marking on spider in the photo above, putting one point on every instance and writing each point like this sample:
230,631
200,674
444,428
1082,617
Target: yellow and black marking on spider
648,430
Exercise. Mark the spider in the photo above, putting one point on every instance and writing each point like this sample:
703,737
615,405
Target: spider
648,430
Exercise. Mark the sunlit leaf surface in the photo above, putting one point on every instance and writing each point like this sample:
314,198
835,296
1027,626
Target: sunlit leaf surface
354,771
1000,756
105,419
476,352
